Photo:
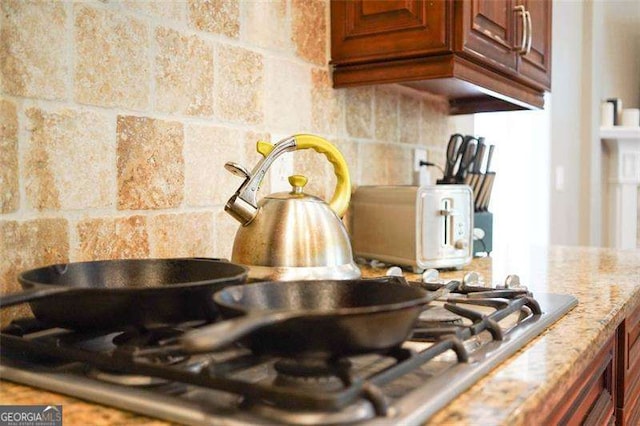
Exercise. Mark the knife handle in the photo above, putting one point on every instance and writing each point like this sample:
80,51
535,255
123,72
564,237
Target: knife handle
477,162
487,196
483,187
489,157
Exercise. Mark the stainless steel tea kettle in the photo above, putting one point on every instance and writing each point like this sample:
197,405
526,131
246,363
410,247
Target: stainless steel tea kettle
292,235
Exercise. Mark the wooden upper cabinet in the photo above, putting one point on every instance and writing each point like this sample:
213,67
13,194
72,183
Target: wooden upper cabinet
512,36
365,31
536,65
489,32
484,55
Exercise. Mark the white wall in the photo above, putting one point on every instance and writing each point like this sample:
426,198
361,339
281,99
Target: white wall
620,58
566,122
520,200
596,55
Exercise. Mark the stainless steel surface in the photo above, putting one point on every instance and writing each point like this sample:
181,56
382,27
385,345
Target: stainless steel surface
414,398
288,235
237,170
243,206
421,227
295,236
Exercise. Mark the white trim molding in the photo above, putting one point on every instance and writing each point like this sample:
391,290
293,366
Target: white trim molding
623,149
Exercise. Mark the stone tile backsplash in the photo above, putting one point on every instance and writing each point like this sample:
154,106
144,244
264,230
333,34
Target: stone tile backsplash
68,162
33,48
117,116
112,61
150,163
9,193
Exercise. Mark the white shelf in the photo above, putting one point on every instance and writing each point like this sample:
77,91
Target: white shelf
619,132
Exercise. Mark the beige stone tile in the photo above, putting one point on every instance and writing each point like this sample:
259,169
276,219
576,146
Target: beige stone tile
225,233
239,85
409,119
349,150
174,10
181,235
309,19
265,24
373,168
215,16
319,172
386,115
288,98
207,149
252,157
434,122
26,245
399,165
150,163
112,238
9,192
33,48
184,74
326,104
437,156
112,64
358,112
70,159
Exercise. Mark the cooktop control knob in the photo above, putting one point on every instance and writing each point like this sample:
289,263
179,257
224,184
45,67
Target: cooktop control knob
460,244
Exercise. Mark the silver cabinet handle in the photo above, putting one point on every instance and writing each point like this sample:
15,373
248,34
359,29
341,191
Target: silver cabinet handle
529,33
523,45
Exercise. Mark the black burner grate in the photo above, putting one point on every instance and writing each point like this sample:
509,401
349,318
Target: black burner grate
132,356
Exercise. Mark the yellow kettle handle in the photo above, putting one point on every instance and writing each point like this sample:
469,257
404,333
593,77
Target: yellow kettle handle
342,195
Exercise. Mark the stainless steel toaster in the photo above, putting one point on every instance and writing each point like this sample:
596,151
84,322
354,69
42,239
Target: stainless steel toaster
418,226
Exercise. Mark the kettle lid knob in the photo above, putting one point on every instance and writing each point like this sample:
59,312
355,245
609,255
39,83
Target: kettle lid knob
297,182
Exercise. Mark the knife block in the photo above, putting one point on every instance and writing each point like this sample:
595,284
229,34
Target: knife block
484,221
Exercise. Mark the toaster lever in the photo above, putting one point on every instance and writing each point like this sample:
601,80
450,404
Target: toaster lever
449,212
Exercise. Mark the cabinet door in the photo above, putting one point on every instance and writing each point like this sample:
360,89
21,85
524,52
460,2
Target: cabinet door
373,30
629,370
591,399
536,65
489,31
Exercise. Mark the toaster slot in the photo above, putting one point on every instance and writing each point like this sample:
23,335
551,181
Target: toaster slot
446,211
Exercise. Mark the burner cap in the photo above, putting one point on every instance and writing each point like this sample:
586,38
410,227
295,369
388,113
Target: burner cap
357,412
312,374
137,380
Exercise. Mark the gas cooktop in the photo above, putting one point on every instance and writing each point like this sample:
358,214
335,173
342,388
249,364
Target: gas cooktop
457,340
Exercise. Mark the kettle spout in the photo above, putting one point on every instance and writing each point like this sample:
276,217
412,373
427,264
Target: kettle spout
241,210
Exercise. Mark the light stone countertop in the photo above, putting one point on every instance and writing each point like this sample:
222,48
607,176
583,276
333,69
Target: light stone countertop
606,283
